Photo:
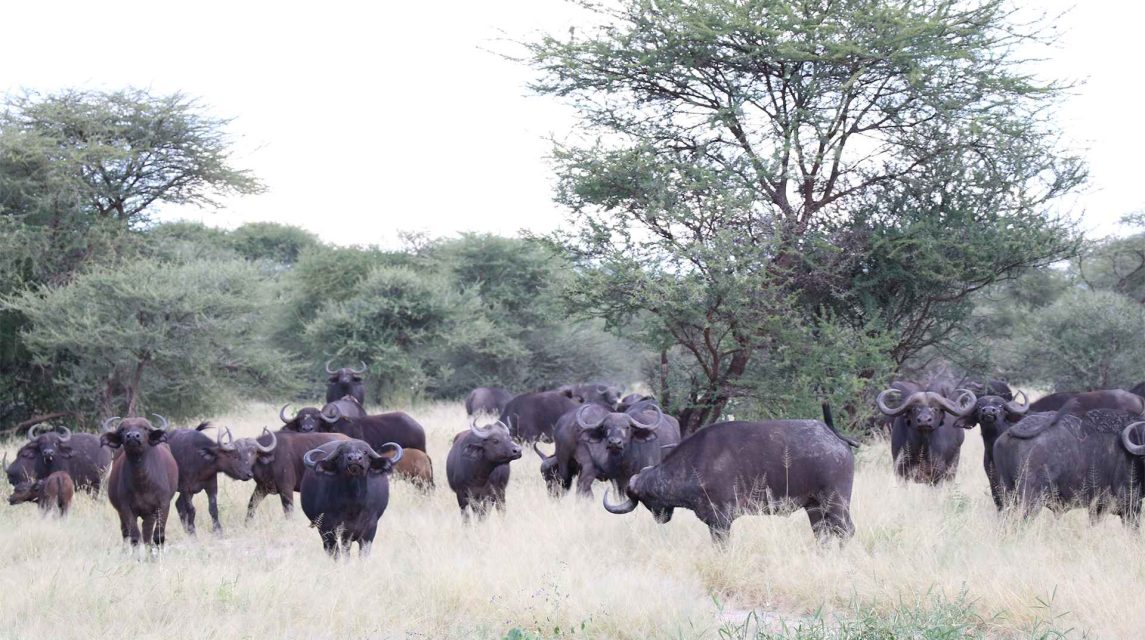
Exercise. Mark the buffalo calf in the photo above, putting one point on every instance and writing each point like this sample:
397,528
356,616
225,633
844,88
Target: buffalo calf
52,493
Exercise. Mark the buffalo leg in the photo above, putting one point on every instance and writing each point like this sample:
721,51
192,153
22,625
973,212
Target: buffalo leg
212,490
367,541
161,525
129,526
287,499
463,504
186,510
255,498
330,542
149,527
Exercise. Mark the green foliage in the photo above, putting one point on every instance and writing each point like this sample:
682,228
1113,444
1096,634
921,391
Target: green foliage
757,165
183,340
271,241
1085,340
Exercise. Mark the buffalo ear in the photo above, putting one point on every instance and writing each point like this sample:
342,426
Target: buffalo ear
593,435
643,435
381,465
111,439
265,458
66,450
357,378
566,392
28,452
156,437
208,454
333,378
327,466
474,450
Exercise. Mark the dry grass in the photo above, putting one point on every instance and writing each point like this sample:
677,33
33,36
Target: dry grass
562,567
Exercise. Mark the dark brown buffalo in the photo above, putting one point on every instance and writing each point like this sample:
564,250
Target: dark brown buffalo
345,491
1116,399
994,414
280,471
928,429
58,449
395,426
478,467
143,478
1074,459
345,382
725,470
346,406
201,460
415,467
53,493
488,400
533,416
307,420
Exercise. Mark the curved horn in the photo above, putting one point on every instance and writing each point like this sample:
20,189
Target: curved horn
65,433
580,417
639,408
362,370
1130,446
881,401
541,453
32,431
306,459
962,411
1019,408
335,414
282,414
105,426
166,425
397,448
230,444
273,441
328,369
625,507
482,432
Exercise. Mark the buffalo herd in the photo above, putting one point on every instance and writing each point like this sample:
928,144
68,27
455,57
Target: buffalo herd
1065,451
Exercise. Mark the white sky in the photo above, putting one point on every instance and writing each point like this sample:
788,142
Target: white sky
365,119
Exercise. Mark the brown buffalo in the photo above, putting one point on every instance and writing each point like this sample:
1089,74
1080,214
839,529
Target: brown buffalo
52,493
143,478
416,467
280,470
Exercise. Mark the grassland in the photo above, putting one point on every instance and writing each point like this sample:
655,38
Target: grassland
925,562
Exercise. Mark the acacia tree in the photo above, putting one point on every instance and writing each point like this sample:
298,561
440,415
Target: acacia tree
749,165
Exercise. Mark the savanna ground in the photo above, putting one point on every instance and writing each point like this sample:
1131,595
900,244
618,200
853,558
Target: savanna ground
924,562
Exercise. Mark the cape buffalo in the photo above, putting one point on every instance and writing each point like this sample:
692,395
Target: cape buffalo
395,426
58,449
725,470
345,492
1104,399
928,429
478,467
532,416
52,493
416,467
994,414
346,406
308,419
143,478
595,444
1070,459
490,400
280,470
201,459
345,382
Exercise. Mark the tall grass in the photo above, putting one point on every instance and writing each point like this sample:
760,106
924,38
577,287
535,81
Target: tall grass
567,568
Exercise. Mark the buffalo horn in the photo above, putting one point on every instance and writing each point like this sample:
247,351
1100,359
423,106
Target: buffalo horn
65,433
32,431
273,441
1130,446
540,453
166,425
282,414
335,414
1019,408
230,443
580,417
625,507
960,411
106,425
362,370
881,401
389,446
482,432
639,408
328,369
308,458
